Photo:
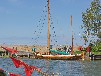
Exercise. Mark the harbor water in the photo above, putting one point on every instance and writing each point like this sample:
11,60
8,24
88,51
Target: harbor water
56,67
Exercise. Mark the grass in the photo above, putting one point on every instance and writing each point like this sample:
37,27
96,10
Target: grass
77,52
96,53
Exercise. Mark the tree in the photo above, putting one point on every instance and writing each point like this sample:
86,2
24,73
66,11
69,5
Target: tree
99,35
92,19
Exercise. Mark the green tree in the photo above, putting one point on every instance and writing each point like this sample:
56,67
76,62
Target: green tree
92,19
99,35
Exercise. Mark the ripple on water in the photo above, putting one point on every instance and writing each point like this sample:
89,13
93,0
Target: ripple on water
57,67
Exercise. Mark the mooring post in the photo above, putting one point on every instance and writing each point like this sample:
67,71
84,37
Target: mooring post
83,56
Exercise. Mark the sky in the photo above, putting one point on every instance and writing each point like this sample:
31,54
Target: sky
21,21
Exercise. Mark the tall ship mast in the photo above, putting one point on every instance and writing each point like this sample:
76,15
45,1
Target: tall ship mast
48,41
72,51
56,54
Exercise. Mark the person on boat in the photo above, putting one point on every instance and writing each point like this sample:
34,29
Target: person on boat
70,49
60,48
88,49
65,48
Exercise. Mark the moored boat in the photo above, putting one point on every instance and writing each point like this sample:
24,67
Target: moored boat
60,57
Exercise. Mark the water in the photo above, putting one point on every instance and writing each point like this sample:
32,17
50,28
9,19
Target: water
58,67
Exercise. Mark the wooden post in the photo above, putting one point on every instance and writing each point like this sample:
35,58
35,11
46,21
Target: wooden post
83,56
2,54
48,43
5,53
28,55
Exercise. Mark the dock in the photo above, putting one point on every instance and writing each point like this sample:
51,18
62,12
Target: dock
23,54
95,57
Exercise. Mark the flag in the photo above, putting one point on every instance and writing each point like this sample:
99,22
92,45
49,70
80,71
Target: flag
11,74
17,63
12,51
28,69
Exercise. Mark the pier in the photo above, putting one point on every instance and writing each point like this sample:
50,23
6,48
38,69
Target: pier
95,57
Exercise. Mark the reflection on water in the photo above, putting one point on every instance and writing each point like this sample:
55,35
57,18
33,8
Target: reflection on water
58,67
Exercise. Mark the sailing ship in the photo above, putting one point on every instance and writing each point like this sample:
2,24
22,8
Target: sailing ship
60,55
